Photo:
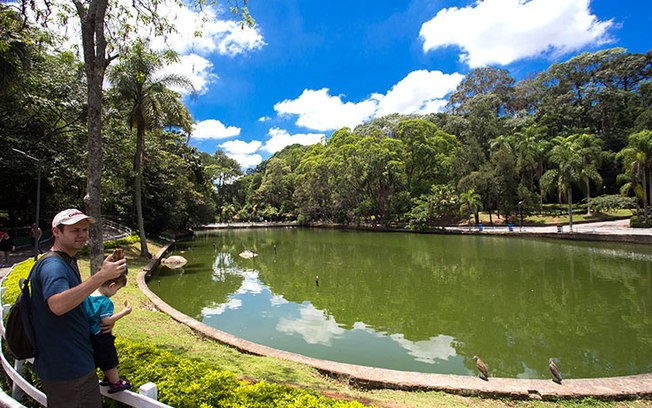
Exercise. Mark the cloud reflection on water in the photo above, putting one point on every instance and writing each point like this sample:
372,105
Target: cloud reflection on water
317,326
312,324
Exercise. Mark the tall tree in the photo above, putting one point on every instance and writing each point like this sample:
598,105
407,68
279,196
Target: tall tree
135,81
568,171
105,26
429,154
590,148
471,203
637,161
223,171
482,81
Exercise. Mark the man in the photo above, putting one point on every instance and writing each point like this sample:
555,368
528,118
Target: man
64,358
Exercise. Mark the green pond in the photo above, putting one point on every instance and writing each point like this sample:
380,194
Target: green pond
427,303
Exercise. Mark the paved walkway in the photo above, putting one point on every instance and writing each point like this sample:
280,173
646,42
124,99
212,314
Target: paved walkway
17,256
618,227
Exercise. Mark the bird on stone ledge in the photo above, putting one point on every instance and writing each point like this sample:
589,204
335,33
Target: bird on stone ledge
556,376
482,368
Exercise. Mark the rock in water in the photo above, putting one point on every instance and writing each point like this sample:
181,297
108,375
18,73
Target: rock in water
174,262
248,254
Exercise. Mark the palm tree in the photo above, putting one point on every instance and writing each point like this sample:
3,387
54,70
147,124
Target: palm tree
531,150
471,202
152,106
590,148
566,155
637,161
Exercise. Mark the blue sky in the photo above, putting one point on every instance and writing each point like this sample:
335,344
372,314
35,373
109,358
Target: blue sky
311,67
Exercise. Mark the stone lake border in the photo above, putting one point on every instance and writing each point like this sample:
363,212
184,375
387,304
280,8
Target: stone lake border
610,388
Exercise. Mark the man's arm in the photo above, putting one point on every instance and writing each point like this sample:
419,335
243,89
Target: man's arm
65,301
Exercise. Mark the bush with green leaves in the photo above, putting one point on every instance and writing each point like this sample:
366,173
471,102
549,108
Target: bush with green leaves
12,289
188,383
638,221
116,243
612,202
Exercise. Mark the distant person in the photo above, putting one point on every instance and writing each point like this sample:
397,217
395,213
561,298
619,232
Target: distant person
64,354
7,247
35,234
98,308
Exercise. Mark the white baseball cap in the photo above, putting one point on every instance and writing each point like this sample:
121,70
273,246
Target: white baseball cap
70,216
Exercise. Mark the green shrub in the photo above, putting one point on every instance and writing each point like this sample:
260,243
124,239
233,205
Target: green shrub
116,243
122,242
12,289
638,221
187,383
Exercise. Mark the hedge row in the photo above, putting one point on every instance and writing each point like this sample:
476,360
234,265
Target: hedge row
187,383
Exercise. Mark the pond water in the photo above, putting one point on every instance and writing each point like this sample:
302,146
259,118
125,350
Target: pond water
425,303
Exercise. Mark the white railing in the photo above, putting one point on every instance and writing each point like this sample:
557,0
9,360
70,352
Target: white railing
113,230
145,398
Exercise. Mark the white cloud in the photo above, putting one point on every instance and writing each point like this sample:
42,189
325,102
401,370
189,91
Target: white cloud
216,34
503,31
246,160
281,138
241,147
194,67
213,129
243,152
264,119
320,111
198,35
419,92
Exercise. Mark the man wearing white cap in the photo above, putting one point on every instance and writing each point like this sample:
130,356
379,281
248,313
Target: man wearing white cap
64,358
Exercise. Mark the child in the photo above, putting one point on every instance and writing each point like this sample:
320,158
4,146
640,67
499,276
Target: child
99,310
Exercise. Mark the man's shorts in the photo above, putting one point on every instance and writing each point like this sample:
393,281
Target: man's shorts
82,392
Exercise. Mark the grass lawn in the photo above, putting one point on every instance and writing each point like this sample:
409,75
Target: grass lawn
146,324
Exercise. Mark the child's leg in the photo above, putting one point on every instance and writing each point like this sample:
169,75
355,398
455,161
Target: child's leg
112,375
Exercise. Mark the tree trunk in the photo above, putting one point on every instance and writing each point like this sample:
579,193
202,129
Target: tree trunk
95,63
570,208
645,190
138,170
588,197
94,181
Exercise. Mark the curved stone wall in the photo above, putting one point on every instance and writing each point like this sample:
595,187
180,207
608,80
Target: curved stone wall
637,386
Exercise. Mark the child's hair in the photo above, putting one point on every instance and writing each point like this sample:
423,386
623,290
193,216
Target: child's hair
120,280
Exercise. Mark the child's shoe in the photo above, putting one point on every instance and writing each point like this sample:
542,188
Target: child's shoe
121,385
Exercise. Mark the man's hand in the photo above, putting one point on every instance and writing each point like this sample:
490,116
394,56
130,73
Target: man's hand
112,269
107,327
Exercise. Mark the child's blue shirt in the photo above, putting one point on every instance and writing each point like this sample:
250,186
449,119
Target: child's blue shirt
95,308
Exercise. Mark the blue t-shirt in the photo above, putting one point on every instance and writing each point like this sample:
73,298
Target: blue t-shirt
63,342
95,308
